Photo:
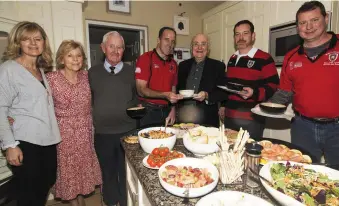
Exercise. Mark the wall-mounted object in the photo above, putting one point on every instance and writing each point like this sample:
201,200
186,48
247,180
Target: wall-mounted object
119,5
181,54
181,25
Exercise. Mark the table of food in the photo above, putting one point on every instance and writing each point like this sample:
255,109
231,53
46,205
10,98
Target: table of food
190,164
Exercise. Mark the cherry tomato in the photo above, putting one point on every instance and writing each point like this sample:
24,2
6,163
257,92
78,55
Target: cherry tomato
149,161
166,150
155,151
152,163
162,153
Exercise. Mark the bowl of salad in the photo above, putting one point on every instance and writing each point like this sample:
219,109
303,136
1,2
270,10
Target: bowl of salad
188,177
300,184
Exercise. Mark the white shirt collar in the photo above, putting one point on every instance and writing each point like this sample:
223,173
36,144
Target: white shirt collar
250,53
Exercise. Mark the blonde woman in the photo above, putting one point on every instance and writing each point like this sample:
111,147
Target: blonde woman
78,169
30,142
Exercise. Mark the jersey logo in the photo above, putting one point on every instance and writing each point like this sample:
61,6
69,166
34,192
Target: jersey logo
332,57
250,63
137,70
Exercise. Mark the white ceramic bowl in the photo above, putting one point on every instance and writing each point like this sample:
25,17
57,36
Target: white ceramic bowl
197,148
231,198
285,199
149,144
186,93
193,162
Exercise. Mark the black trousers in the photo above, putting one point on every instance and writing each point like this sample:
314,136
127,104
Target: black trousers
155,115
37,174
111,157
254,127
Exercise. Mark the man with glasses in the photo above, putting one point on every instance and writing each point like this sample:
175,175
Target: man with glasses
156,80
202,75
255,69
310,74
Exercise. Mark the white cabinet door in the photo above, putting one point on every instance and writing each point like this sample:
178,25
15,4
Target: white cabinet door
284,11
335,17
67,21
39,12
258,13
8,10
212,26
231,16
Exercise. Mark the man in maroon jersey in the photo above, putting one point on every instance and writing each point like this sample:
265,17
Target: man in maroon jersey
255,69
310,74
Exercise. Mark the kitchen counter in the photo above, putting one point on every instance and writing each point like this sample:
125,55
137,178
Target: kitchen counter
154,192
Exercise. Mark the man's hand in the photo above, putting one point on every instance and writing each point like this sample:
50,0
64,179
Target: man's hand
201,96
172,97
14,156
221,112
246,93
171,117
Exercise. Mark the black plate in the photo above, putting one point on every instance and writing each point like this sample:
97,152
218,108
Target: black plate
235,86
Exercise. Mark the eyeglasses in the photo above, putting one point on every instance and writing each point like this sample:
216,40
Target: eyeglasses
196,44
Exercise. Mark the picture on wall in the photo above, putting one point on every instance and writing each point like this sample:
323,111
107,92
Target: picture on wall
181,25
119,5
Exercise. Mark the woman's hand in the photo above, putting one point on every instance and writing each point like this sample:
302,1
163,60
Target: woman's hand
10,120
14,156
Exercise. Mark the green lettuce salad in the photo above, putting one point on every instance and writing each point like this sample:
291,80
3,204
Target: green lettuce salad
305,185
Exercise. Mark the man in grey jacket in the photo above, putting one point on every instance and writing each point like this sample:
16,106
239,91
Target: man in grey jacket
113,91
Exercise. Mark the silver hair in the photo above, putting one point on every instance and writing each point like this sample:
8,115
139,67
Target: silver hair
113,33
208,42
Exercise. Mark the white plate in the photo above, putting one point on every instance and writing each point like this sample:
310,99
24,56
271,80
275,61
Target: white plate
231,198
144,162
196,163
227,89
285,199
286,115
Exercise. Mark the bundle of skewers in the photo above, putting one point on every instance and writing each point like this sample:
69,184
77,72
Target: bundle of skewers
231,157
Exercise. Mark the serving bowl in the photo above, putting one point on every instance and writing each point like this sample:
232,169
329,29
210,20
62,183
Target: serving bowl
286,200
136,112
199,147
195,163
272,108
149,144
186,93
231,198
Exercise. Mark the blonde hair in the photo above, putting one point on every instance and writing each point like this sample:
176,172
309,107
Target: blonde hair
65,47
19,33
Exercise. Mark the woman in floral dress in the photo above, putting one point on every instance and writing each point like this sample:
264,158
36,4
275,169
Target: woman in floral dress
78,169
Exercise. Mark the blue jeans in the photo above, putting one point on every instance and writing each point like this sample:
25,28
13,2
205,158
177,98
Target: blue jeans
317,138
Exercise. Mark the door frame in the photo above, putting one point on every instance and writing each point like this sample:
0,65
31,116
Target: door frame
143,34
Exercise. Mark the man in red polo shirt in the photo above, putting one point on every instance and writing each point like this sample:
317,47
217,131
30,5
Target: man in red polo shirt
156,80
310,74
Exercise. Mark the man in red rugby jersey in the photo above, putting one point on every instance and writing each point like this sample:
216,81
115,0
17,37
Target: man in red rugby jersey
255,69
310,76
